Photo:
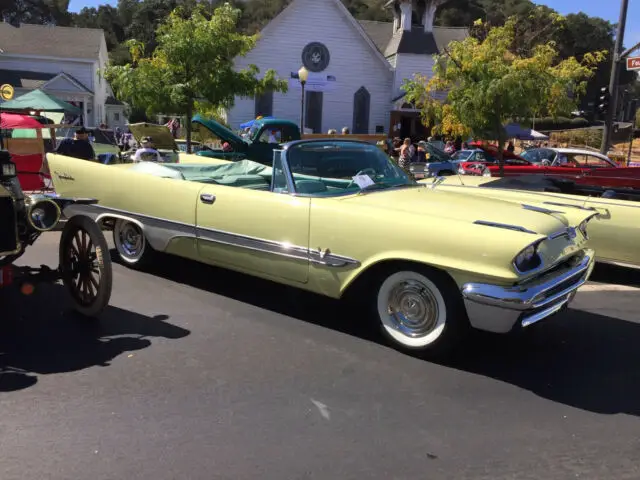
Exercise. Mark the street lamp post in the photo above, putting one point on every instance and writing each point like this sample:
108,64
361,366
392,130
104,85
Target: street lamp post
303,76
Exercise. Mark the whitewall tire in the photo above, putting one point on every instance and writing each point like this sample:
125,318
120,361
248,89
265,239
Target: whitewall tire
418,311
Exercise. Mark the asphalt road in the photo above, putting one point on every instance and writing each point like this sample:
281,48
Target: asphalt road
198,373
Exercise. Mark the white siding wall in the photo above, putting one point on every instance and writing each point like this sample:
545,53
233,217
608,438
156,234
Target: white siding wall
353,63
407,65
82,71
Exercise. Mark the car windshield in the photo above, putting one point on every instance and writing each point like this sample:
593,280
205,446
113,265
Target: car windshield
538,155
462,155
342,167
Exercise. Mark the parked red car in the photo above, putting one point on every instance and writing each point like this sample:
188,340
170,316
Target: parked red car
582,166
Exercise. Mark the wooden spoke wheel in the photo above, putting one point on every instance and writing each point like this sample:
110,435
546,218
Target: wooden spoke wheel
85,265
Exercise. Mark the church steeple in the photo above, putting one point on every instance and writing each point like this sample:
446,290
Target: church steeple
414,14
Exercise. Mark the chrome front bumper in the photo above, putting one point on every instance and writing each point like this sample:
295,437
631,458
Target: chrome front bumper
498,309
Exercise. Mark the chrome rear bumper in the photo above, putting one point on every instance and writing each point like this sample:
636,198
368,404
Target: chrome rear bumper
498,309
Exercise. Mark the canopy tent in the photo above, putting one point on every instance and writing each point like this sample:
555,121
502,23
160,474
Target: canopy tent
14,120
250,123
39,101
516,131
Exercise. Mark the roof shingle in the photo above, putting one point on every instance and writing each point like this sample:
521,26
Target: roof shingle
415,41
44,40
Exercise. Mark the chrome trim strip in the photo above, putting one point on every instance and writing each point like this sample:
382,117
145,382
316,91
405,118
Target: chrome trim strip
284,161
252,243
319,257
569,232
539,209
283,249
547,312
505,226
580,207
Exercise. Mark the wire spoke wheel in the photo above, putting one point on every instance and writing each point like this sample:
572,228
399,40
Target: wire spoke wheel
85,265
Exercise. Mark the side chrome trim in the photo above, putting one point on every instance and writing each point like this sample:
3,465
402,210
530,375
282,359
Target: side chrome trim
251,243
506,226
162,231
325,257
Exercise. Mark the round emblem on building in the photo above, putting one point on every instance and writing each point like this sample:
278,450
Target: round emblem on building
315,57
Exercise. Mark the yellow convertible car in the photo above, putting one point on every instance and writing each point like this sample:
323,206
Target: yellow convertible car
338,217
613,234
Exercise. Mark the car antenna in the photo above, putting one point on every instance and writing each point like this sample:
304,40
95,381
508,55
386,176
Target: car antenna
460,176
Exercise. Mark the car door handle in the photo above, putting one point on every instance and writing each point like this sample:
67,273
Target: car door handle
207,198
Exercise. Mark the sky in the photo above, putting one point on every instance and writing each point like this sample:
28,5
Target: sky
609,10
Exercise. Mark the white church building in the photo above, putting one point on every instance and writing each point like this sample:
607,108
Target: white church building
356,68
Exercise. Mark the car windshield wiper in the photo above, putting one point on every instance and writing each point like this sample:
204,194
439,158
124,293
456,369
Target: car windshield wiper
383,186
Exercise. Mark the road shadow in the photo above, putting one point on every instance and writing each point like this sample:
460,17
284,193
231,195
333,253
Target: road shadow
616,274
577,358
41,335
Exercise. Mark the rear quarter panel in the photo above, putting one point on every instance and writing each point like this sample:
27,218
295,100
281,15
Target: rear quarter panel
122,193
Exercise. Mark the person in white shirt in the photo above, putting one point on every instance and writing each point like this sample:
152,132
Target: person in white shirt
273,136
147,152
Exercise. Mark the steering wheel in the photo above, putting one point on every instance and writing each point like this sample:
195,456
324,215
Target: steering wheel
361,172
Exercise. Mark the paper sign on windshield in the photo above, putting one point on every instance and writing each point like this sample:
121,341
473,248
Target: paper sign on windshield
363,181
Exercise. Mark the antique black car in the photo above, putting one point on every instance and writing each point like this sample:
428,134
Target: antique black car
84,263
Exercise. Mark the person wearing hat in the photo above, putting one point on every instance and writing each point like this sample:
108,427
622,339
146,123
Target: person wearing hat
422,152
78,146
147,152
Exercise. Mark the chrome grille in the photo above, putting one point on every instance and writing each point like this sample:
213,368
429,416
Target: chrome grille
559,270
8,226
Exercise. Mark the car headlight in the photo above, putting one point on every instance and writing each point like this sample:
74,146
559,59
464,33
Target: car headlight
583,229
527,259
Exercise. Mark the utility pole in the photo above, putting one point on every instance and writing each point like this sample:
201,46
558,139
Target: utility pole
613,81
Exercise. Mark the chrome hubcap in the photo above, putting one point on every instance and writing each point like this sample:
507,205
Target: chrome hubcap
413,308
131,239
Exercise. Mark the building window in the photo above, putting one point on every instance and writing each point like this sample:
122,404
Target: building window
264,104
361,107
116,117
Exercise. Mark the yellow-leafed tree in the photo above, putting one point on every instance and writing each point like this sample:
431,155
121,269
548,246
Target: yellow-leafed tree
485,85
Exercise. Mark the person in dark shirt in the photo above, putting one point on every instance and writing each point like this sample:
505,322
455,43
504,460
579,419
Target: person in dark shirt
78,146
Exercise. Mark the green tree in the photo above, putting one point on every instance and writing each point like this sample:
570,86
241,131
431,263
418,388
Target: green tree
41,12
487,85
105,17
193,62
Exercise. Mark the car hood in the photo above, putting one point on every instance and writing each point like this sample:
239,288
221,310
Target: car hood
463,207
161,135
221,132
